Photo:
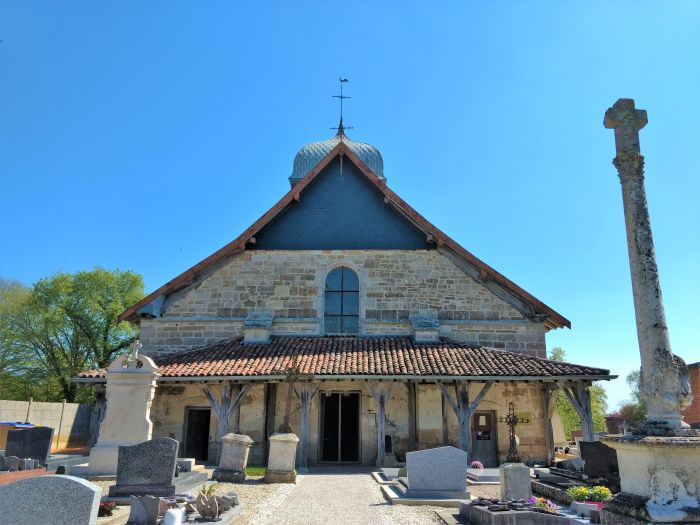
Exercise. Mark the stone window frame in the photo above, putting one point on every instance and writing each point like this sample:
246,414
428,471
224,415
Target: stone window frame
323,276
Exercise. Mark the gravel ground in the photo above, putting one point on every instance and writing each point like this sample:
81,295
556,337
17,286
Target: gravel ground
343,495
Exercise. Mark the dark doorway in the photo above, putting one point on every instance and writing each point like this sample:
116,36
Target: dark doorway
484,444
197,433
340,427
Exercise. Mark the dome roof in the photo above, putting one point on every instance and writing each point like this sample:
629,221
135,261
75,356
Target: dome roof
311,154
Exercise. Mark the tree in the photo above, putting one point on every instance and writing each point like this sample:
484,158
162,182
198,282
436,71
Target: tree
67,323
567,412
633,410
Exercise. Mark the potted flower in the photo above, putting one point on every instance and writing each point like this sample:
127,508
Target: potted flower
584,499
476,464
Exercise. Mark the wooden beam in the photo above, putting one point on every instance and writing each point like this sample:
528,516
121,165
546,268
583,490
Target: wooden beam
380,392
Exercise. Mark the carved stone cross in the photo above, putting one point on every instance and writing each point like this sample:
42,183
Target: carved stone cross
626,121
292,374
664,376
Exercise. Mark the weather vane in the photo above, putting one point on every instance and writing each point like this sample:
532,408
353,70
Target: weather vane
342,97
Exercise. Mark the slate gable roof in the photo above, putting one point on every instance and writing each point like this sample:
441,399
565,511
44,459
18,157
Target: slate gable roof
398,357
486,274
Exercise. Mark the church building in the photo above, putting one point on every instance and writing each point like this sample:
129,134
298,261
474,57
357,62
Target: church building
396,337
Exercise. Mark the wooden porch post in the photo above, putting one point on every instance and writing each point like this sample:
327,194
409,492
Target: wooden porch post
464,410
412,419
305,392
548,398
580,396
223,406
380,392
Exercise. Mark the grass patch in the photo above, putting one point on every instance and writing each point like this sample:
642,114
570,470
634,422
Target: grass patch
255,471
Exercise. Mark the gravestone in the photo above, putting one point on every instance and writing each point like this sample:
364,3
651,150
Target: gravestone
12,463
144,510
600,461
437,473
234,458
146,469
3,465
58,500
33,442
515,481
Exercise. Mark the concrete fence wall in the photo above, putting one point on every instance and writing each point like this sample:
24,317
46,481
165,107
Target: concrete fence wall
70,421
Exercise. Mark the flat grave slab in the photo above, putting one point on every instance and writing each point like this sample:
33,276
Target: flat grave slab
483,475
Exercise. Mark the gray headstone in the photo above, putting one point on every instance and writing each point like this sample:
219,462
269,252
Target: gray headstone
144,510
146,469
12,463
26,464
58,500
34,442
2,462
437,473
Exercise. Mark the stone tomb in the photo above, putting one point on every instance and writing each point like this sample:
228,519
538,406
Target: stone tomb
437,473
146,469
33,442
58,500
234,458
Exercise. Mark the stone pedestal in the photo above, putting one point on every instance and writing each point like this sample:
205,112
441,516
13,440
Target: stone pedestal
131,384
282,458
234,458
515,481
660,478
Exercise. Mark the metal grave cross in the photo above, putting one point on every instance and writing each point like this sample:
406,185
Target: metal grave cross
292,374
512,421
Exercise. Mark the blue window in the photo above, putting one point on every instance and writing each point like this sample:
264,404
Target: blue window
342,310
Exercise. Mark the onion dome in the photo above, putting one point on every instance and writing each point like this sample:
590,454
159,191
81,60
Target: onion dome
311,154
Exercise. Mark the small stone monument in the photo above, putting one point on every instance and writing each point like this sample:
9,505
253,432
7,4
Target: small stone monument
282,459
146,469
659,463
144,510
12,463
234,458
131,384
515,476
58,500
437,473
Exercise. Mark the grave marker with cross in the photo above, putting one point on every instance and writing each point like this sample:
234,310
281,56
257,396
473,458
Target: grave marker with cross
512,421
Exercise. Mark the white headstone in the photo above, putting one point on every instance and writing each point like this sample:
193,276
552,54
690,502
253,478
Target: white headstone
131,384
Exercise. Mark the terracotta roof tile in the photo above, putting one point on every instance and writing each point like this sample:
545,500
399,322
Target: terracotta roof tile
364,356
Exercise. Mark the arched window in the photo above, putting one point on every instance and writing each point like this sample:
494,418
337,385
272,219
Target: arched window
342,309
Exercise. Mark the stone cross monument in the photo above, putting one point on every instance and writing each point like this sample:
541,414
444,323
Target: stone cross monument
664,377
659,463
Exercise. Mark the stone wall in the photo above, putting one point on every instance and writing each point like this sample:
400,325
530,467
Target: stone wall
70,421
393,284
691,415
170,403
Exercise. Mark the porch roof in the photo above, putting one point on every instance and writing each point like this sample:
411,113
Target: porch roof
358,358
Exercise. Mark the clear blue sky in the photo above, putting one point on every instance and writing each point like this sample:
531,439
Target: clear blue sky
145,135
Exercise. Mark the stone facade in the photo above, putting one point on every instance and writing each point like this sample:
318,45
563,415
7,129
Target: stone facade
170,403
393,285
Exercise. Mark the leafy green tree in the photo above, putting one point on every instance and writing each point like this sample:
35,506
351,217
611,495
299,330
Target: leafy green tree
634,410
65,324
568,414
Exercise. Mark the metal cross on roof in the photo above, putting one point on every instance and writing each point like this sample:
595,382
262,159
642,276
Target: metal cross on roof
342,97
512,420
